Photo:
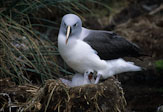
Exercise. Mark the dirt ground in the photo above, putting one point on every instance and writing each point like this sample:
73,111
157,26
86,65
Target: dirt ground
143,90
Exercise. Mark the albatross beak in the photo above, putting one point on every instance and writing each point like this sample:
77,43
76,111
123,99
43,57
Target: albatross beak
68,33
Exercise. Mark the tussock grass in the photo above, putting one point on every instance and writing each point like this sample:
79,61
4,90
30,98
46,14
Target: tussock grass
24,55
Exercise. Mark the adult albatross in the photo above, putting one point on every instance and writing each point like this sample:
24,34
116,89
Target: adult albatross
86,50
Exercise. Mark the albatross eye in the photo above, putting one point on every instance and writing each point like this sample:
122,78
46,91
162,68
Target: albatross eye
64,24
75,25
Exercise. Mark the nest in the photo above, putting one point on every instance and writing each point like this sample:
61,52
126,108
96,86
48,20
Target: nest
54,96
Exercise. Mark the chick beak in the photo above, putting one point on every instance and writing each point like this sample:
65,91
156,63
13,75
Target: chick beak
68,33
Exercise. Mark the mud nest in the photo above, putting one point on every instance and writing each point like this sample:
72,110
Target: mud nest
54,96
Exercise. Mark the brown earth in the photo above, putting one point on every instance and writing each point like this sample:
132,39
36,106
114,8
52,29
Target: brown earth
144,90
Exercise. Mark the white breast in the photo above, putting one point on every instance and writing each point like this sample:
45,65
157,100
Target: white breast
79,55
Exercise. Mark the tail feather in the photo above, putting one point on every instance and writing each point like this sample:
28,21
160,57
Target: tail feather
119,66
132,67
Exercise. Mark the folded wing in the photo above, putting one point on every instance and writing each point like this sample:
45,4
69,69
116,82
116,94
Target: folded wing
110,45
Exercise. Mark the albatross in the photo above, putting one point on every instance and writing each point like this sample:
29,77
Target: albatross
79,79
86,50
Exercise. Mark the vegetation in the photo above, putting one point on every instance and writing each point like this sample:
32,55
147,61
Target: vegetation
159,64
26,54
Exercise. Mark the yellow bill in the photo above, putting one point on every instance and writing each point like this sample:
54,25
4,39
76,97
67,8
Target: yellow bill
68,33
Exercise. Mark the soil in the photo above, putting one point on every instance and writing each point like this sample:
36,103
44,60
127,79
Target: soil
143,90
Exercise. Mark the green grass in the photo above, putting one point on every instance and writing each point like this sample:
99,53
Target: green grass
24,53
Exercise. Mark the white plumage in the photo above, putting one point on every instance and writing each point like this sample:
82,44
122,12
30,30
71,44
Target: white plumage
78,80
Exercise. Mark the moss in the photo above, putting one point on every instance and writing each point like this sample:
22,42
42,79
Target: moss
159,65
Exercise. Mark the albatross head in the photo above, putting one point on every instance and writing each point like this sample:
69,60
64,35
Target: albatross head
71,26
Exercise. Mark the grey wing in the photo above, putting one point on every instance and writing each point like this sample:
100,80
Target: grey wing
110,45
